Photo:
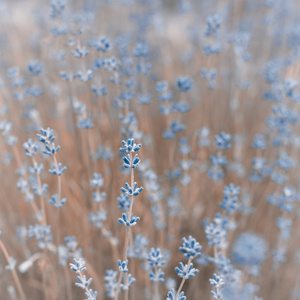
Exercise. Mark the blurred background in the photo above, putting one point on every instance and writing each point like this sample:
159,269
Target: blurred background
210,90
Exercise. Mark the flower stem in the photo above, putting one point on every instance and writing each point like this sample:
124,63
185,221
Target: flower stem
182,281
14,273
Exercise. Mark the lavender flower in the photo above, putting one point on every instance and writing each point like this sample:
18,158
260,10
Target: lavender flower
186,271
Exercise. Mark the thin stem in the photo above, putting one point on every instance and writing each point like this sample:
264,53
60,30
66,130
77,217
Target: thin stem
58,200
132,182
126,291
182,281
156,291
124,258
56,225
44,219
14,273
118,286
132,289
180,287
58,178
87,290
126,244
43,270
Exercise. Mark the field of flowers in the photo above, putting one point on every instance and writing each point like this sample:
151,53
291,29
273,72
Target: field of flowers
149,149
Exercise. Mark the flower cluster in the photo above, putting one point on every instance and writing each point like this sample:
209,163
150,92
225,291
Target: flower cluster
155,260
78,266
190,249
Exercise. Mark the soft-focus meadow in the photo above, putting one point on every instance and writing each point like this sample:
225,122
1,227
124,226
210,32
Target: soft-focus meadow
205,97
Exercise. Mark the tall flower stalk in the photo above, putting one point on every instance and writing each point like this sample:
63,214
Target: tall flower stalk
46,137
128,219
